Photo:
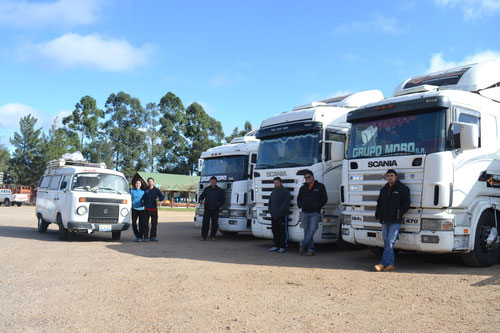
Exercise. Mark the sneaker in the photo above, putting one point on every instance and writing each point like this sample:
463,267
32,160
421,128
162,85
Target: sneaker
274,248
379,267
282,250
213,238
309,253
137,239
203,238
145,239
389,268
302,249
153,239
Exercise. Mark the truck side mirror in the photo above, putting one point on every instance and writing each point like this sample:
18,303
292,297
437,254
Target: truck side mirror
337,151
200,164
253,158
469,136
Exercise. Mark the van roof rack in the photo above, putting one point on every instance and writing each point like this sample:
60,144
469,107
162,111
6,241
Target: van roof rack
62,162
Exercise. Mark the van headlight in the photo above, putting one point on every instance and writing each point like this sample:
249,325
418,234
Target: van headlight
124,212
81,210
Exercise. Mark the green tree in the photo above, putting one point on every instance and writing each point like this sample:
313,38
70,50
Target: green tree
27,162
58,142
4,160
237,133
172,151
151,123
125,131
202,132
84,120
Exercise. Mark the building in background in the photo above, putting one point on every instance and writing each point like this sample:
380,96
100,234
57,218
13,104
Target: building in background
179,190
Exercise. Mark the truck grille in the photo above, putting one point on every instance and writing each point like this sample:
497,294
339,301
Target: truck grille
103,213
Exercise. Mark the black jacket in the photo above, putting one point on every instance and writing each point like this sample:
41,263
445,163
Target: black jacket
279,201
213,196
392,203
312,200
150,196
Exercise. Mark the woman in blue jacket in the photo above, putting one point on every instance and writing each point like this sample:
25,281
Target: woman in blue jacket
138,211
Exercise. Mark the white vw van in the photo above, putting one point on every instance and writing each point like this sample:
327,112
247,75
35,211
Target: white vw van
82,197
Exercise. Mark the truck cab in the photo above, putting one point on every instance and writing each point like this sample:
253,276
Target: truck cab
440,132
232,164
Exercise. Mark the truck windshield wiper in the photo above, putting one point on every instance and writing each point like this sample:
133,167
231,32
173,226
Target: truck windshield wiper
264,166
399,152
287,164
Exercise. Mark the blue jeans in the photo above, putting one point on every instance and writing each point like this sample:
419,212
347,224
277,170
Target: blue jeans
390,232
310,223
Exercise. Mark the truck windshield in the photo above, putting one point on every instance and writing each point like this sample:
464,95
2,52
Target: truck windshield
225,168
99,182
300,149
421,133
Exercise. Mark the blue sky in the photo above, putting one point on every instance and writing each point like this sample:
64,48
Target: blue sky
240,60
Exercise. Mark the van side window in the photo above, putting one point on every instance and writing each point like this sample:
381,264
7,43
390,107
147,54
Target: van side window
468,117
44,182
54,183
331,135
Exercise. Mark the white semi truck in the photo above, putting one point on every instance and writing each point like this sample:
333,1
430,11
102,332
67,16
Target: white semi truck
440,132
311,136
233,166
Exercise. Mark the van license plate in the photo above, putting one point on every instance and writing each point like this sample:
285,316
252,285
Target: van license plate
105,227
379,235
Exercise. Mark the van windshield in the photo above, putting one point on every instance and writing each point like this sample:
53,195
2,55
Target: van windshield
99,182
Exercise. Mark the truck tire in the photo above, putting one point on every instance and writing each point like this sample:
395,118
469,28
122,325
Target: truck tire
63,232
481,255
42,225
115,235
6,202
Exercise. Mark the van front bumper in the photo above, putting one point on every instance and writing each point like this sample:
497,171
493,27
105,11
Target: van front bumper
91,227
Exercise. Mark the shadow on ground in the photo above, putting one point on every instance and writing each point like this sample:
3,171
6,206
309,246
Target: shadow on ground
181,240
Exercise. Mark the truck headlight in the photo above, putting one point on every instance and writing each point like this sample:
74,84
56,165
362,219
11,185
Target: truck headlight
237,213
124,212
356,177
81,210
354,187
437,224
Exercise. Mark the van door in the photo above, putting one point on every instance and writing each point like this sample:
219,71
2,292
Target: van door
63,202
52,197
41,195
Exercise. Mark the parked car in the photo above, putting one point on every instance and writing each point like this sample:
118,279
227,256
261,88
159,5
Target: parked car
7,198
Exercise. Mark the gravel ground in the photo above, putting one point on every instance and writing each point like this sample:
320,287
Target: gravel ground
181,284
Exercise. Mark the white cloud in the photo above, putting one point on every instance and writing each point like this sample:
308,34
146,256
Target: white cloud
90,51
31,15
378,23
472,9
439,63
225,79
11,113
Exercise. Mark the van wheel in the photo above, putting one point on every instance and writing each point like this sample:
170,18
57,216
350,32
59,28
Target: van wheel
63,232
481,255
42,225
6,202
19,204
116,235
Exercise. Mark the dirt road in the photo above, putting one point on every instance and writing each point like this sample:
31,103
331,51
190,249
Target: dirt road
181,284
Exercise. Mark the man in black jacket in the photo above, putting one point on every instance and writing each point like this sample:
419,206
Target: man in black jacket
150,197
392,203
279,203
311,199
213,199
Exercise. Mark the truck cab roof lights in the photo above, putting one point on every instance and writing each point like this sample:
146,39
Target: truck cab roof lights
472,78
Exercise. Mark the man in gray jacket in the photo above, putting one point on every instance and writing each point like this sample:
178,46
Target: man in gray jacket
279,203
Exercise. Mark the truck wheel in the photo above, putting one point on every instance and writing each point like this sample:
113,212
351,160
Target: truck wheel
228,233
6,202
116,235
63,232
19,204
481,255
42,225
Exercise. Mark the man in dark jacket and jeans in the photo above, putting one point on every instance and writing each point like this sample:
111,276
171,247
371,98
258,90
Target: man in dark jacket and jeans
311,199
279,203
392,203
151,195
213,199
